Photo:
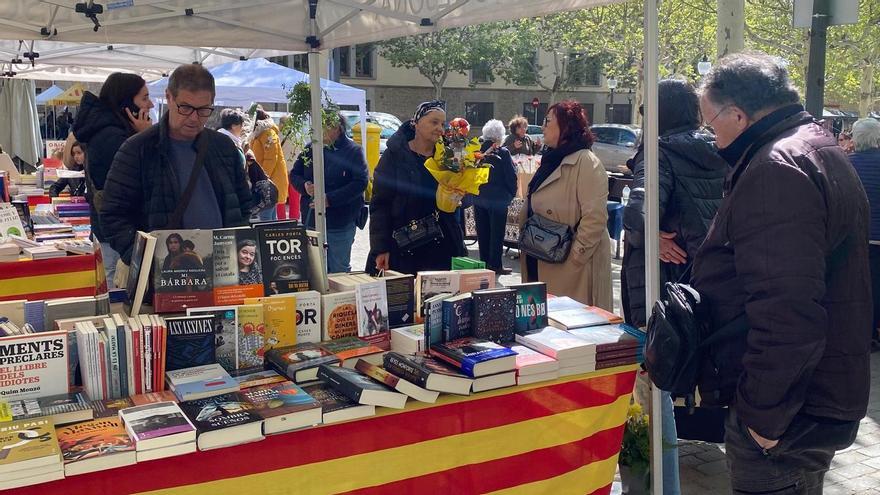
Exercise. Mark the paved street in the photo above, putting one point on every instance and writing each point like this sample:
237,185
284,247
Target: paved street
855,471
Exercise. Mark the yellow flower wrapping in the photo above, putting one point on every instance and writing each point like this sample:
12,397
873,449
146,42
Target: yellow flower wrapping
454,185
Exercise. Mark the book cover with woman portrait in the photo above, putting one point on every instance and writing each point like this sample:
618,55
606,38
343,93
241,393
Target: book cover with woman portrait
183,269
238,270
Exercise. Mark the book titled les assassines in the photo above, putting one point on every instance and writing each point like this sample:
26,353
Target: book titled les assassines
284,251
190,342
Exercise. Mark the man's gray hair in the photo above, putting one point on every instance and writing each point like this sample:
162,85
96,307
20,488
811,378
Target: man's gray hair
866,134
493,131
753,81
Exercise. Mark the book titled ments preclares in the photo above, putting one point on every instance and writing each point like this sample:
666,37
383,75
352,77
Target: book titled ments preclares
36,365
475,357
224,420
391,380
238,272
283,406
183,272
531,306
200,381
335,406
95,445
360,388
300,362
494,315
340,315
157,425
190,342
428,373
284,253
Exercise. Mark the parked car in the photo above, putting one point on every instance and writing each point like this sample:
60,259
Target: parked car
615,144
389,124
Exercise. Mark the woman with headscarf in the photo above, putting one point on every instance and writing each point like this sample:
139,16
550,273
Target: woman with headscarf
404,196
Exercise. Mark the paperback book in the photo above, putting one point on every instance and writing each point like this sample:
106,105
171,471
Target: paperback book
350,349
225,333
61,409
36,365
183,272
200,381
300,362
308,316
284,253
190,342
401,298
95,445
279,317
224,420
531,306
251,336
28,444
475,357
284,406
340,315
238,272
157,425
372,310
494,315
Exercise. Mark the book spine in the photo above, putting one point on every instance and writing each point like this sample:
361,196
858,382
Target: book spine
147,360
163,341
344,387
122,344
113,354
448,315
406,370
137,363
103,362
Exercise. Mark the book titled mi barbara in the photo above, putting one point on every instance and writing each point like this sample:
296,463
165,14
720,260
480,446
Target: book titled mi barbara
284,253
182,270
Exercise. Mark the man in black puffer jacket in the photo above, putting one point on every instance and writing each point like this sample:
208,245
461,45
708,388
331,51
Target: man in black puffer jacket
152,169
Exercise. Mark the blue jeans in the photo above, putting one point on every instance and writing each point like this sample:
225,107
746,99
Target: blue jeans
110,258
268,214
339,242
671,482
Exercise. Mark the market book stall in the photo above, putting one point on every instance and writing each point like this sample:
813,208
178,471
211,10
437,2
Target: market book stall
554,437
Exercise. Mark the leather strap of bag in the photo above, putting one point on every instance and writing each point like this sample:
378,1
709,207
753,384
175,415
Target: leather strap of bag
174,222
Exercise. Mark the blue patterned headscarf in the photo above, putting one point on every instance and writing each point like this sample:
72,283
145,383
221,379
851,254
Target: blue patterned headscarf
427,107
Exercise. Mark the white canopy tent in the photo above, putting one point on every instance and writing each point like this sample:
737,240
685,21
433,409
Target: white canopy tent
310,25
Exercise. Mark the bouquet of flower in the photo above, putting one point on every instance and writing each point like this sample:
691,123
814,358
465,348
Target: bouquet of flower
457,166
635,452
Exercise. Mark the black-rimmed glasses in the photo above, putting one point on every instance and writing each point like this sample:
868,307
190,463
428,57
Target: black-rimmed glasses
189,109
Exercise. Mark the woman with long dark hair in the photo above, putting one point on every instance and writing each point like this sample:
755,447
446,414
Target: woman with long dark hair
103,123
571,187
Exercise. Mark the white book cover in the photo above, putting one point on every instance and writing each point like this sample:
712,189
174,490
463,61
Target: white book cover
308,316
38,362
10,222
429,284
372,308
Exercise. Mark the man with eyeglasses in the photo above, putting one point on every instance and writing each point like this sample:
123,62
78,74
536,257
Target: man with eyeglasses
151,185
788,249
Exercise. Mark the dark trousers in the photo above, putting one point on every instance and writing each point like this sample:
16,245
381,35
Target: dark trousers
491,223
796,465
874,257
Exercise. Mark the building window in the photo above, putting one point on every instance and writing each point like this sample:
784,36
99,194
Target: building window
479,112
588,109
300,62
344,61
583,70
535,116
282,60
365,60
481,73
621,113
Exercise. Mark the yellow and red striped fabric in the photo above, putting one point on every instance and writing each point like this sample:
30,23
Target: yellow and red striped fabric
557,437
69,276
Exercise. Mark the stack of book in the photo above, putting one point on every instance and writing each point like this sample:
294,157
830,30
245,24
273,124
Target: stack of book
74,212
490,365
579,317
159,430
616,345
29,453
575,355
532,366
95,445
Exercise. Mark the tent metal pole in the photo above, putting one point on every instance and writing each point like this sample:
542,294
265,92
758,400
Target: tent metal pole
318,158
652,220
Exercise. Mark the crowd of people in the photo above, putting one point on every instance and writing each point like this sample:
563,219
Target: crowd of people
761,210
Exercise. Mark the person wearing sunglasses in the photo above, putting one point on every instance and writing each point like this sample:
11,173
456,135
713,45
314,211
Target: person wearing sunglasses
177,174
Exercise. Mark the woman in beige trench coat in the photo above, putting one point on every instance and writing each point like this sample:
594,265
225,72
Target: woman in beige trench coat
571,187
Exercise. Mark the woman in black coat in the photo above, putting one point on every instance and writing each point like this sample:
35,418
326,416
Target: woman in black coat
404,191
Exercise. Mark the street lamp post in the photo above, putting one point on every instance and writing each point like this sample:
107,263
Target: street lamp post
612,85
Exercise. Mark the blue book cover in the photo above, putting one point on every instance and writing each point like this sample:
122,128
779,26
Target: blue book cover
457,317
466,353
202,381
190,342
34,313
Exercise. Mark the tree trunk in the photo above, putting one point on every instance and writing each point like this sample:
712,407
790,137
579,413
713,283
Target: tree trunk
438,91
866,90
731,25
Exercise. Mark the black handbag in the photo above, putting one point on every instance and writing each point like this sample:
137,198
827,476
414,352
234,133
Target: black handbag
418,233
361,220
545,239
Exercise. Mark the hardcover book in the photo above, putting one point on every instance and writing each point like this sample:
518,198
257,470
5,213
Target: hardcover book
391,380
475,357
335,406
283,406
372,310
531,306
190,342
38,362
349,349
200,381
251,336
457,317
238,272
284,253
28,444
95,445
340,315
183,273
308,316
225,333
433,317
279,317
361,388
224,420
300,362
157,425
494,315
428,373
401,298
